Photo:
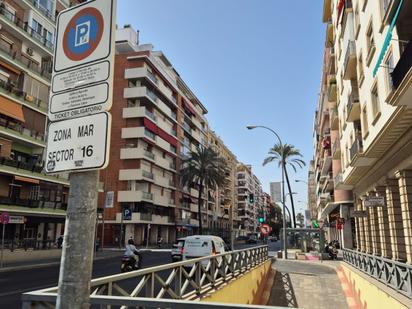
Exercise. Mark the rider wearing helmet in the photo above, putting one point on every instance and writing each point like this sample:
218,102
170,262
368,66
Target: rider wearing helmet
131,251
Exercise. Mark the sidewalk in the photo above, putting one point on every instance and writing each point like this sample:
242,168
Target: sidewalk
307,285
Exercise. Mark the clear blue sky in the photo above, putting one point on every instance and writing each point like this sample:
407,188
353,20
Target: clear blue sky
249,62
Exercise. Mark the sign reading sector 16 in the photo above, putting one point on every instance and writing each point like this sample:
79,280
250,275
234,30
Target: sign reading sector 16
83,58
78,144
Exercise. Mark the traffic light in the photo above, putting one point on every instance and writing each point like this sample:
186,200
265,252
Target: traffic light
315,224
261,217
251,198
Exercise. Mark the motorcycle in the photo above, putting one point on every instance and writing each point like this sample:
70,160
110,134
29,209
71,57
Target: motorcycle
130,264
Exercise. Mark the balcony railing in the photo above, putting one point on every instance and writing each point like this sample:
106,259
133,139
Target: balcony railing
149,154
152,77
356,148
152,95
393,274
147,174
403,66
350,54
36,3
32,167
24,62
335,146
353,108
23,25
150,115
148,196
32,203
14,92
18,130
146,216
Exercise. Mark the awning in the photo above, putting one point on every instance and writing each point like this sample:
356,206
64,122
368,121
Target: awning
10,67
388,39
27,179
11,109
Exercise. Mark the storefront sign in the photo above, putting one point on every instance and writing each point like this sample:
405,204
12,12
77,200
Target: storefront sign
374,201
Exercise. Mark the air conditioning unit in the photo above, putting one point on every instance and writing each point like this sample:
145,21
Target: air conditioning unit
29,51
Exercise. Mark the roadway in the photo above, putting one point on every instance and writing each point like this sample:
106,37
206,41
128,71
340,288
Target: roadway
14,283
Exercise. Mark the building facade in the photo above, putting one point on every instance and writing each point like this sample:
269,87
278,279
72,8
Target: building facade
36,201
223,201
157,121
371,41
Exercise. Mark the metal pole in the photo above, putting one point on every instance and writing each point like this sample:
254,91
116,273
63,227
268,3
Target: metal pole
232,240
285,243
147,235
102,244
2,245
77,254
121,229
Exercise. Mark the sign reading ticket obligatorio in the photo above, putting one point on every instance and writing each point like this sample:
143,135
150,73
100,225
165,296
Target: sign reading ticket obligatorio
83,60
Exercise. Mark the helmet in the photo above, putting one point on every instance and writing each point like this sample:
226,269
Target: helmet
130,241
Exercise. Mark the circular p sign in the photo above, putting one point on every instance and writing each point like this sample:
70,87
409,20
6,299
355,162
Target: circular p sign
83,34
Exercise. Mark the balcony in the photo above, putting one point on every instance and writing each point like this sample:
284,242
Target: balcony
349,64
138,112
353,109
15,131
327,163
187,128
336,153
142,72
35,5
136,153
24,64
135,174
355,150
18,26
334,119
402,74
332,91
134,196
47,206
10,91
30,170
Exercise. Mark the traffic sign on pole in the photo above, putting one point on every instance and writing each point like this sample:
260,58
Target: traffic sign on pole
265,229
5,218
78,144
83,64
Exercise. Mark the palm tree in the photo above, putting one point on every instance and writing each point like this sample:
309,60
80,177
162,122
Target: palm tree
285,155
204,168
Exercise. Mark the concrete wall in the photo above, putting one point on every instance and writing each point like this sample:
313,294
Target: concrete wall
372,294
245,290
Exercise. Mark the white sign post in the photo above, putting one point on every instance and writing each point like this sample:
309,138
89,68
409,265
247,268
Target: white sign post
79,140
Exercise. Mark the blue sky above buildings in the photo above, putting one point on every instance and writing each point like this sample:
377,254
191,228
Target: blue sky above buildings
249,62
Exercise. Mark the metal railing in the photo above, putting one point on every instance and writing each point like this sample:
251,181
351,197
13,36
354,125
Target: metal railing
350,51
165,286
14,91
393,274
355,148
403,66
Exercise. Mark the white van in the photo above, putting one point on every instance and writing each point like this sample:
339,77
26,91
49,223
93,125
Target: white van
197,246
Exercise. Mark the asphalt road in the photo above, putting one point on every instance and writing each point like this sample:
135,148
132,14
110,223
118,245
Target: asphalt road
14,283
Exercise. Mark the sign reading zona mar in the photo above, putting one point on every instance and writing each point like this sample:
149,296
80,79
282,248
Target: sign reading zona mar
79,143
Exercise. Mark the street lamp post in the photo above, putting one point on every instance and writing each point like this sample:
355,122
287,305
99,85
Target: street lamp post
251,127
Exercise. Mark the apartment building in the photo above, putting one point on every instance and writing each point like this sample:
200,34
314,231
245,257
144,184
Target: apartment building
35,201
157,120
248,183
372,44
223,201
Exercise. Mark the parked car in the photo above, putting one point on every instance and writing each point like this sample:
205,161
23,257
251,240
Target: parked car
177,250
252,239
272,238
242,238
202,245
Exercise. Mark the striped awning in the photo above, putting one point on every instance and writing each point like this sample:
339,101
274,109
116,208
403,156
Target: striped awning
387,40
27,179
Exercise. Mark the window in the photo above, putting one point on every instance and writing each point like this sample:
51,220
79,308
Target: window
149,134
360,69
375,101
389,66
365,128
370,43
357,21
46,4
36,26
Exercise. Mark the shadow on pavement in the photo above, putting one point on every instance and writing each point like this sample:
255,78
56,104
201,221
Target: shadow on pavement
282,293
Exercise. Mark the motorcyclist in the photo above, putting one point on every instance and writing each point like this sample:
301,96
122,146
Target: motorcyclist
132,252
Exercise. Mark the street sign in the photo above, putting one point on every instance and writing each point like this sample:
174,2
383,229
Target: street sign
127,214
84,61
109,199
359,214
265,229
5,218
17,219
79,143
374,201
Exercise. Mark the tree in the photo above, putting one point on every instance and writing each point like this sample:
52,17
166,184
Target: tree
205,169
286,155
